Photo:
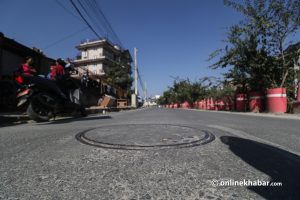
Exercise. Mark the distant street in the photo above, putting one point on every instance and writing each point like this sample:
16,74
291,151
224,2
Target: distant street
152,153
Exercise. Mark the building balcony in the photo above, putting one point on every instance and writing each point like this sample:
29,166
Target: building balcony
80,71
100,58
85,60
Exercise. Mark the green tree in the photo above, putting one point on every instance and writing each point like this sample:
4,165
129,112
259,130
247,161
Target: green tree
119,76
183,90
255,46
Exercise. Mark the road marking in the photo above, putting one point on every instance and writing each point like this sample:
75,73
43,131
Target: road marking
245,135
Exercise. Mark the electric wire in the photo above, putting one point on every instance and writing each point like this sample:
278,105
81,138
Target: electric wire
79,12
88,14
64,38
108,24
98,18
67,10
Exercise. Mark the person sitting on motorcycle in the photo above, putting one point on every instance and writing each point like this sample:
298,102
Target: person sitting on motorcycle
27,68
57,71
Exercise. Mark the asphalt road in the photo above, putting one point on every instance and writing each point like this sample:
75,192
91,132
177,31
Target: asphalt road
152,153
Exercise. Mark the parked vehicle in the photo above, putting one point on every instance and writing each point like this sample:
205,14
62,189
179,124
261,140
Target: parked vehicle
43,98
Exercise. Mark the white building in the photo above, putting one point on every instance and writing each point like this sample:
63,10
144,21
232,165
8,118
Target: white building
97,56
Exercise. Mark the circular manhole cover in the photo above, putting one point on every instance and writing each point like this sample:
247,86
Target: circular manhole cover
144,136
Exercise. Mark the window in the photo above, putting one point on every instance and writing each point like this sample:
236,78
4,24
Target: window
84,54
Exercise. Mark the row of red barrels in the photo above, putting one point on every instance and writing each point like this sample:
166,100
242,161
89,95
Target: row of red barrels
273,101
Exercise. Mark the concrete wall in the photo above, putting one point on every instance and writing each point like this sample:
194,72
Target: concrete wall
96,68
10,62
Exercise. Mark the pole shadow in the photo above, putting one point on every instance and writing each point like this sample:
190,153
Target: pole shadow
280,165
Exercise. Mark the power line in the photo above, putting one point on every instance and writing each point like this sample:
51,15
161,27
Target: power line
98,18
64,38
67,10
91,18
94,8
93,12
74,5
107,22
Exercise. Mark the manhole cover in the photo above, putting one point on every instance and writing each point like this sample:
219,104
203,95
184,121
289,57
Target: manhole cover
144,136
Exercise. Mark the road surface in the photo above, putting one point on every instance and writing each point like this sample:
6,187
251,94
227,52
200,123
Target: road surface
153,153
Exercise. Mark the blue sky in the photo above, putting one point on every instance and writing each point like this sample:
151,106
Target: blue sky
174,37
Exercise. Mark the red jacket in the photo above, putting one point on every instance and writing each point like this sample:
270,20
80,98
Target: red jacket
28,70
57,70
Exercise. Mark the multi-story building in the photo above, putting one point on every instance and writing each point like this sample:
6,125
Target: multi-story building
97,56
95,59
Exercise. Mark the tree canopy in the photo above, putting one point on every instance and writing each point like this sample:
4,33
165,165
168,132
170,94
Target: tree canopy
255,47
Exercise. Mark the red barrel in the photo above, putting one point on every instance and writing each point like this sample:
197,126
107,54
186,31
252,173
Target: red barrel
204,104
200,105
276,100
208,105
256,101
240,102
217,104
221,104
228,103
212,104
175,105
298,93
195,104
186,105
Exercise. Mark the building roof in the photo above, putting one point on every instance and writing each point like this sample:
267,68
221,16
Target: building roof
20,49
97,43
105,43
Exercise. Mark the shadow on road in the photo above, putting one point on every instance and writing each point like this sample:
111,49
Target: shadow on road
11,121
74,119
279,165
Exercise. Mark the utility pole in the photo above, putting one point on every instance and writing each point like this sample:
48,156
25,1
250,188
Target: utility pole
134,96
145,93
135,73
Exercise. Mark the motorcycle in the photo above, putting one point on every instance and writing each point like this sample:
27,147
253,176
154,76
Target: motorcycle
43,98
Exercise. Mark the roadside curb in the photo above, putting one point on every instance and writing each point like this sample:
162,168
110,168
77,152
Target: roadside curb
270,115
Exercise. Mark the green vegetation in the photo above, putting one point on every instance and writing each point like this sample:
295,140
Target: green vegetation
118,75
255,48
256,53
185,90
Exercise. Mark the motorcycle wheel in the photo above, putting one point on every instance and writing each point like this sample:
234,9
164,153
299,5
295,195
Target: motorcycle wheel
37,110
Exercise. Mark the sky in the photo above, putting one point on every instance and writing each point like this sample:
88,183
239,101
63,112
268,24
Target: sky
174,38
